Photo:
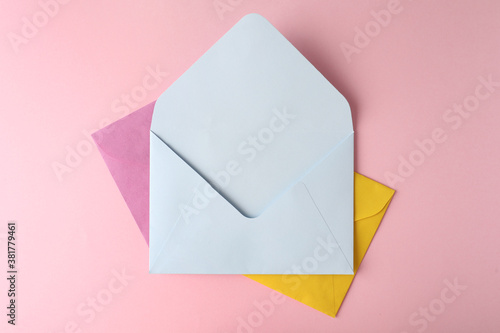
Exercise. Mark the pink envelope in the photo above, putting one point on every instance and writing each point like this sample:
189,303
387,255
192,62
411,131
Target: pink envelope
126,153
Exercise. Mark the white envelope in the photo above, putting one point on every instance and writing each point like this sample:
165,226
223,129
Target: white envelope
251,163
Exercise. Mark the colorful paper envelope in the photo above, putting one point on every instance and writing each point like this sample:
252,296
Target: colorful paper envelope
251,162
124,146
326,292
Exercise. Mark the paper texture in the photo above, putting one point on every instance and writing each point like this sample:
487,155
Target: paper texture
251,162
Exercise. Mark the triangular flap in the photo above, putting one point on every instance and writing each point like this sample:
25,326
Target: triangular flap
374,199
253,104
326,293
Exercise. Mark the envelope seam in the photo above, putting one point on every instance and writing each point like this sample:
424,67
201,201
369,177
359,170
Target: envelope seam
378,211
322,159
166,240
331,232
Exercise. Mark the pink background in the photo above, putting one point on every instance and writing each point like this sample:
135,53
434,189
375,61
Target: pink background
75,232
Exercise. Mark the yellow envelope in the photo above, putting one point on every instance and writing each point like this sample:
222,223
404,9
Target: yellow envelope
325,293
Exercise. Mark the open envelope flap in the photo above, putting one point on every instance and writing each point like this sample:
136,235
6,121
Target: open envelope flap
252,105
194,230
